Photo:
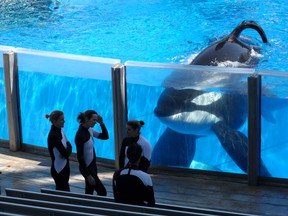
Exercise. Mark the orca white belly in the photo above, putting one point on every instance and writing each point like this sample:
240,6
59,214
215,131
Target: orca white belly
196,122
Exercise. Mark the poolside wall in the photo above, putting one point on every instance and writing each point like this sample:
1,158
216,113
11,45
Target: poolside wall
118,76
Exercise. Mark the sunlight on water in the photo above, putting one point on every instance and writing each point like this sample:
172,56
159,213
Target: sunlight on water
154,31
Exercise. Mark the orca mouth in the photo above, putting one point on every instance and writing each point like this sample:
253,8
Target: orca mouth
173,101
158,112
164,111
167,105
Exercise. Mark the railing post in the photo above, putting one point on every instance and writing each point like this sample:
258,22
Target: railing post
119,107
254,129
12,99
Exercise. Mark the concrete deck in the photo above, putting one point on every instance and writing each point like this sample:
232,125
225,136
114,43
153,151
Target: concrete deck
26,171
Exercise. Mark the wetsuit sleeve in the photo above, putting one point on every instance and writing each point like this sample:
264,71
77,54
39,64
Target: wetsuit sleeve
56,139
69,148
122,154
150,196
104,135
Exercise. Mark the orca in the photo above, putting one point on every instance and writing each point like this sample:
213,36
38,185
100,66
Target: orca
231,48
192,113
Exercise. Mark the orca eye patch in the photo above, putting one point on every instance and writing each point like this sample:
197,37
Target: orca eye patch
207,98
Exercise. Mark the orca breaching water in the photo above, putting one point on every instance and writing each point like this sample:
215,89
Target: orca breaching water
190,113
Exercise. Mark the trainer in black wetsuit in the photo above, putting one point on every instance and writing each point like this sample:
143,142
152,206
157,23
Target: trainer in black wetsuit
131,185
86,152
59,149
133,136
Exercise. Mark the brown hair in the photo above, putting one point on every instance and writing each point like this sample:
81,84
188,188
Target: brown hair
86,115
54,115
135,124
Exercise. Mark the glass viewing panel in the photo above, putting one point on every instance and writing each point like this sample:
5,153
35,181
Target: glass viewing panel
274,142
73,84
191,113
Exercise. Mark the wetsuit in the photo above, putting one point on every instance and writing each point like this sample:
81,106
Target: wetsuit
87,157
146,152
133,186
59,149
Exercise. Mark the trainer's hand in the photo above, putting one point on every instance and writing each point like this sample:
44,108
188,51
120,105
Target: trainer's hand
100,119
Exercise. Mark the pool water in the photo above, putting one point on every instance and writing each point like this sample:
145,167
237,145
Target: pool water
147,31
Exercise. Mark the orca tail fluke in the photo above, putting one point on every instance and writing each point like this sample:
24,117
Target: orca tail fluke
249,24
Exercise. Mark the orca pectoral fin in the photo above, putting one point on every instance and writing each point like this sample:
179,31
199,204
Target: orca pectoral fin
174,149
236,145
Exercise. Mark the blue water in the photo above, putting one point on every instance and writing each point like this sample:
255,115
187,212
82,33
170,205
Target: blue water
150,31
153,31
